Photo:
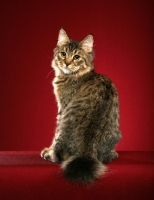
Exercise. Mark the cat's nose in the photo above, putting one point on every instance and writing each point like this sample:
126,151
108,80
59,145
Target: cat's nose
67,62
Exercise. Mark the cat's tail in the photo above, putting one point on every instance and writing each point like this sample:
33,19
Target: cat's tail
82,169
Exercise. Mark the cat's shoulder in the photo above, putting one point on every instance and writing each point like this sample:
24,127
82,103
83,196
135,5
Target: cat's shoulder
102,78
101,82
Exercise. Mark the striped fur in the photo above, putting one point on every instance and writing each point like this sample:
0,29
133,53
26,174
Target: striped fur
88,112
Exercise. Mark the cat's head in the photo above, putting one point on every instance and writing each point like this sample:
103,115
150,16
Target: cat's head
71,57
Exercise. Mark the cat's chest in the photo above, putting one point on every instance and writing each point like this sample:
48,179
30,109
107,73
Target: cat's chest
64,90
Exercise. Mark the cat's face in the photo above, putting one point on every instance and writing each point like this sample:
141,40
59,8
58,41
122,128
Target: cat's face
72,57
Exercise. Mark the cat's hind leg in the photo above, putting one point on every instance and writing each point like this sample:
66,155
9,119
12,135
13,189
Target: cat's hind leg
107,158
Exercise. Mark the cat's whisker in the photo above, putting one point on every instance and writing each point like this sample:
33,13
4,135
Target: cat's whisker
49,73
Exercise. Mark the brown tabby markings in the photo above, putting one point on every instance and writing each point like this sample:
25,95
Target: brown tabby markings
88,112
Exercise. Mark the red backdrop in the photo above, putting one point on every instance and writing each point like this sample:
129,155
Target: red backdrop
123,37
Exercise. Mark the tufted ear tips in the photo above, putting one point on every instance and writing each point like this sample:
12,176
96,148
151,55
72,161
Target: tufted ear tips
87,43
62,38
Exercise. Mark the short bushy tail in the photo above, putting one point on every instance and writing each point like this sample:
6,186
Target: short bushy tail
82,169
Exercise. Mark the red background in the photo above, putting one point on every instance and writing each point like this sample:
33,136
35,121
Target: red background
123,34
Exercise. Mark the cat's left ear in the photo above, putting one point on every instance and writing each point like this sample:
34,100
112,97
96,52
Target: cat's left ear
62,38
87,43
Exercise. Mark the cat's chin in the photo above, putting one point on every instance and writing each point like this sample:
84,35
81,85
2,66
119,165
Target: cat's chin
66,71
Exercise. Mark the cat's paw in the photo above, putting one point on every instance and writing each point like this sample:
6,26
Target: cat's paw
109,157
48,154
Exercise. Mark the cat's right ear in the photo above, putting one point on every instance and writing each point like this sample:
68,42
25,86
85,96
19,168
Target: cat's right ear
62,38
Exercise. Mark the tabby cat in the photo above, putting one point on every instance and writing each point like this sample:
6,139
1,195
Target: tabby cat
88,113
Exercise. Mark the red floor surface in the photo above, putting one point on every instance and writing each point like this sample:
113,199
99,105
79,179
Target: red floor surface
25,175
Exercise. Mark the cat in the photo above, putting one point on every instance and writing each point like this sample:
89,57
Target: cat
88,113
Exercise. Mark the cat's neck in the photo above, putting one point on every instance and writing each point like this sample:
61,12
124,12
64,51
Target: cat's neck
75,76
73,79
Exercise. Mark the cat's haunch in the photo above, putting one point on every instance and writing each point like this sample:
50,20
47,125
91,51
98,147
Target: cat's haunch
88,113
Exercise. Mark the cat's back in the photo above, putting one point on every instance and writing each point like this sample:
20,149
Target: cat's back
91,86
97,84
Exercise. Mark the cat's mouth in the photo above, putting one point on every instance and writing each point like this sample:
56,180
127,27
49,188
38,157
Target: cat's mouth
67,70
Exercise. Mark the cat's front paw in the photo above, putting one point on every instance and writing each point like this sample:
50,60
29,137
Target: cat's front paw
48,154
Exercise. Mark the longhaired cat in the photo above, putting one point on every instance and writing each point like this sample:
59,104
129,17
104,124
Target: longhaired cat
88,113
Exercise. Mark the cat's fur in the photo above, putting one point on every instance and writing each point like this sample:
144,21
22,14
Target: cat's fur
88,112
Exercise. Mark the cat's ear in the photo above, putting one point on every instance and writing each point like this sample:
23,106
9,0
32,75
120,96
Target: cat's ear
87,43
62,38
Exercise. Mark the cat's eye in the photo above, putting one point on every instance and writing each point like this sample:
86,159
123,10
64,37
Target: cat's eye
76,57
63,54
